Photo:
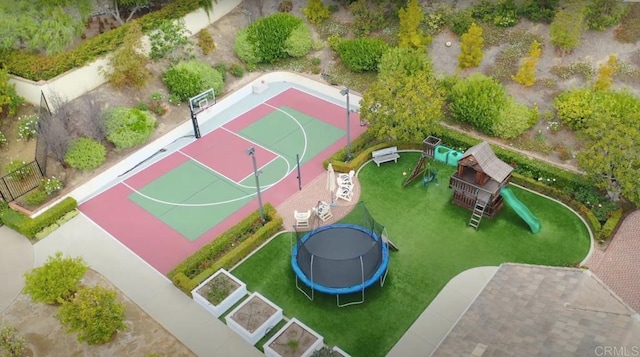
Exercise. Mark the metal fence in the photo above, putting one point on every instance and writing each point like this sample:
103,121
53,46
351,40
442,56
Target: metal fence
42,151
20,181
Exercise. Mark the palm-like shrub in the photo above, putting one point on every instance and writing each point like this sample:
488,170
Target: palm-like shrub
128,127
186,79
85,154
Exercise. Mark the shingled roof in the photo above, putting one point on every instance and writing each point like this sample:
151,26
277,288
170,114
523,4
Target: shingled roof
488,162
529,310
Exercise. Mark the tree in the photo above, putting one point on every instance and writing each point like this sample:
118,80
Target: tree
56,280
566,28
168,38
611,154
605,73
94,313
471,48
127,66
526,75
404,102
410,34
132,6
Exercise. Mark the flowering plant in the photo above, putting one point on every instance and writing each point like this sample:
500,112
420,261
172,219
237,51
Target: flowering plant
27,127
3,140
51,185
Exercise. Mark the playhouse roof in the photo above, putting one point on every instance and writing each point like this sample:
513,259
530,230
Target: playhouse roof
484,160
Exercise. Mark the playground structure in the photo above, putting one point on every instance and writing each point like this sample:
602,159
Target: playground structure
479,184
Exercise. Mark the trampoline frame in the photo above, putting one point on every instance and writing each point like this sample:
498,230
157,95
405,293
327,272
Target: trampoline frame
380,274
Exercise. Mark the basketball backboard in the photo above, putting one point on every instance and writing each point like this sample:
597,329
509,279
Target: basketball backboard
202,101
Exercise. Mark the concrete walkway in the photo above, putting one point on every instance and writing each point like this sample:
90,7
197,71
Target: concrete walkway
441,315
16,258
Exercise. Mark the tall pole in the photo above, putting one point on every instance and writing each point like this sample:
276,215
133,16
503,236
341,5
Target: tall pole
252,152
345,92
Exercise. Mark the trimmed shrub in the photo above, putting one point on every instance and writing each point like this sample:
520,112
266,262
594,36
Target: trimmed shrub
611,224
95,314
361,54
316,12
187,79
268,35
85,154
226,250
299,42
128,127
56,281
36,197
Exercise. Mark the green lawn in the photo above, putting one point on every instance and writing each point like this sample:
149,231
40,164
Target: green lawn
435,245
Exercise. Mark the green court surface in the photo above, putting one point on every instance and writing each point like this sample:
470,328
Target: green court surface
192,198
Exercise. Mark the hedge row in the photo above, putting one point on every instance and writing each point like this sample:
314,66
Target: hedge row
528,172
28,226
38,67
187,275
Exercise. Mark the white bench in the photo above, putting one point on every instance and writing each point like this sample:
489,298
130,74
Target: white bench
385,155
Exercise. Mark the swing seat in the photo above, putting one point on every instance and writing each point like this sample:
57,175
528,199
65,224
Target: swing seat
427,179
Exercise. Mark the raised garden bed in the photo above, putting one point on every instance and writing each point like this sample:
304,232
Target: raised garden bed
254,317
295,339
219,292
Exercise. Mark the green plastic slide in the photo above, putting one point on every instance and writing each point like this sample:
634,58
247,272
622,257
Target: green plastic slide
520,209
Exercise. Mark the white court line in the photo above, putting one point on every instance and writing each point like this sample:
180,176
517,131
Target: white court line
265,165
304,132
206,167
208,204
251,141
324,99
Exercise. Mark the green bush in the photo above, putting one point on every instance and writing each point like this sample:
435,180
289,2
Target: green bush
503,13
85,154
205,41
361,54
602,14
36,197
56,281
460,22
187,79
576,107
94,313
299,42
539,11
30,226
128,127
611,224
236,70
478,100
226,250
514,119
269,35
168,37
244,49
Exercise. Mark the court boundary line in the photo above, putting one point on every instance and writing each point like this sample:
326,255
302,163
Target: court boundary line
318,96
208,204
304,132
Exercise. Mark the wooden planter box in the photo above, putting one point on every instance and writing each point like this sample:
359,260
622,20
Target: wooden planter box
254,317
295,339
338,350
236,291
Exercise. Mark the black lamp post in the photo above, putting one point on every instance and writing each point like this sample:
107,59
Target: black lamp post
346,92
252,152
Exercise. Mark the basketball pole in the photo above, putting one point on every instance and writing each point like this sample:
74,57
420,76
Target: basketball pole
299,174
194,121
252,152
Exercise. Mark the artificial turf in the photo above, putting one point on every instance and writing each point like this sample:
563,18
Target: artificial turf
435,245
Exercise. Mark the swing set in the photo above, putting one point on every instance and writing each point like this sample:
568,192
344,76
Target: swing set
422,168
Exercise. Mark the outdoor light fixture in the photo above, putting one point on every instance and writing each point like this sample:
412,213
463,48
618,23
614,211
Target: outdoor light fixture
346,92
252,152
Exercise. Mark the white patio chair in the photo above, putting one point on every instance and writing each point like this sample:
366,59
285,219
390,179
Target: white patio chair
302,218
323,211
346,180
344,193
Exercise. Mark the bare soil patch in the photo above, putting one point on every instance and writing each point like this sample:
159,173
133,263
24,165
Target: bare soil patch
218,289
45,335
253,314
293,341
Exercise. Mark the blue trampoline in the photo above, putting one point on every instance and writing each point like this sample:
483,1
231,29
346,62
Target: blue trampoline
340,259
